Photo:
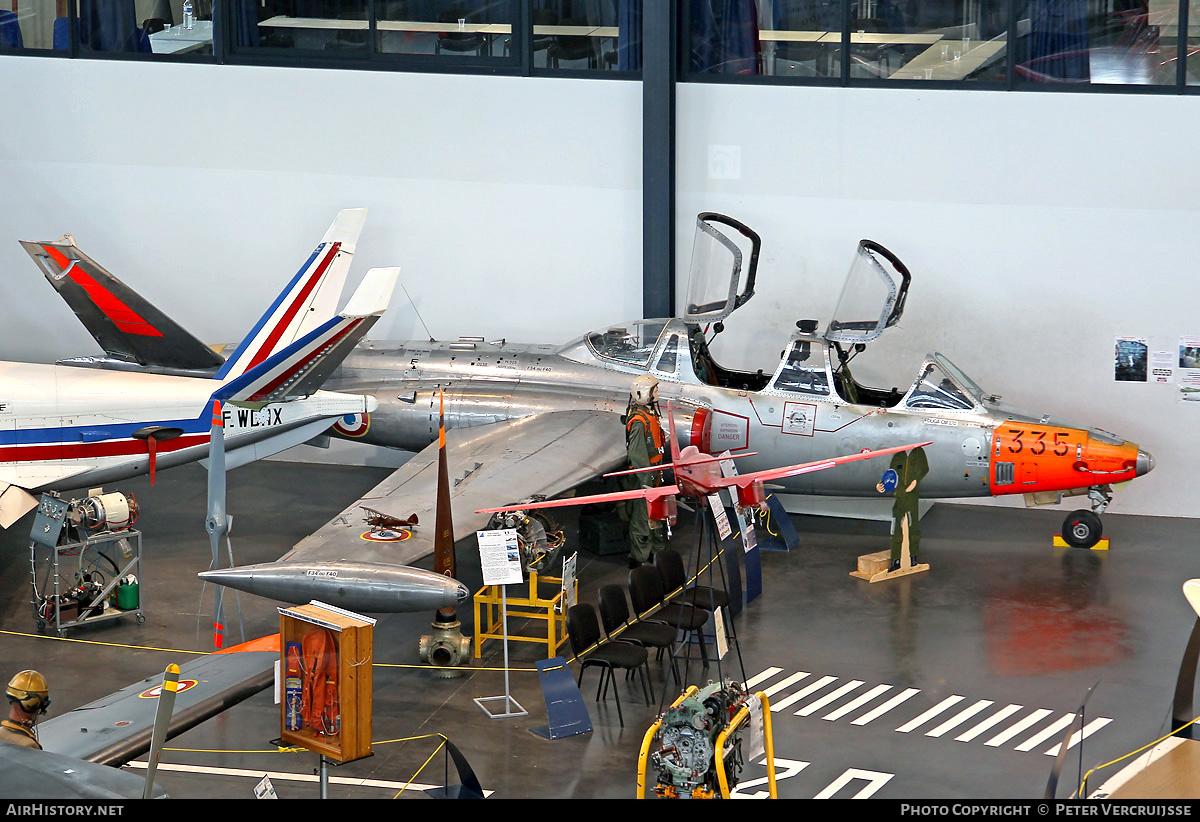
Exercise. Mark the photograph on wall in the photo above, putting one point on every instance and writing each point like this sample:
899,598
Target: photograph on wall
1130,359
1189,352
1188,377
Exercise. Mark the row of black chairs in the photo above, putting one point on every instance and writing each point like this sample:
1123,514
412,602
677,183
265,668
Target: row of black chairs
629,635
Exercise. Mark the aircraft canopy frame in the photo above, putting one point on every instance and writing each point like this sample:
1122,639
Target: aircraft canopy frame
872,298
716,268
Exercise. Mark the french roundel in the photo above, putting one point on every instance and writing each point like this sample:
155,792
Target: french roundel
353,425
386,535
184,685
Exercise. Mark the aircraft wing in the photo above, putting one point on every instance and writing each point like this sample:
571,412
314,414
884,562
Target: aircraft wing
116,728
27,773
490,465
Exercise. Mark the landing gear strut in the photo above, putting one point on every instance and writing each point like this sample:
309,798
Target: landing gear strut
1082,528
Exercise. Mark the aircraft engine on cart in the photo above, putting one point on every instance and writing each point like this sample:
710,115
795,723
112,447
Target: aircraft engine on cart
538,537
103,512
688,735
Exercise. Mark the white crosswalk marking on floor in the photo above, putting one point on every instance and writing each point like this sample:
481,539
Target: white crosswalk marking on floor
940,708
1088,730
898,699
832,696
959,718
799,695
1026,732
989,723
1056,727
1034,718
856,703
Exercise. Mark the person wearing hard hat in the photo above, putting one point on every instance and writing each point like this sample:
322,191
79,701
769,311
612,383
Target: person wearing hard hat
645,447
28,698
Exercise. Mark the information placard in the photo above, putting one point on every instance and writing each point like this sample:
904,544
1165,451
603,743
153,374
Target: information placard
500,557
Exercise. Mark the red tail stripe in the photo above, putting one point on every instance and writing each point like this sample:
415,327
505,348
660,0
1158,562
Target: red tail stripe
124,317
268,345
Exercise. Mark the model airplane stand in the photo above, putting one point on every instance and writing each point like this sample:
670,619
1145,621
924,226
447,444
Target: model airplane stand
781,534
492,606
1101,544
709,548
468,787
874,567
565,709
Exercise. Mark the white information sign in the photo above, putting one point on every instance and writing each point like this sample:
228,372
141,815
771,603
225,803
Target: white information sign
745,526
718,512
722,638
500,557
758,736
568,582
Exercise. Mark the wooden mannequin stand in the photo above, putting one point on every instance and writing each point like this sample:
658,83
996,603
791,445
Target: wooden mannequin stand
874,567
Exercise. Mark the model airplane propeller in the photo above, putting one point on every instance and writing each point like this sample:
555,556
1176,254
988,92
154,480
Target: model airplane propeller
698,475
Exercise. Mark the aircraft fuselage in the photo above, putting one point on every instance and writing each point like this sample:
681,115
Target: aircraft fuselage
981,451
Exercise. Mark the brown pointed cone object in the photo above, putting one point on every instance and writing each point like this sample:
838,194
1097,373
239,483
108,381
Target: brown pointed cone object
443,540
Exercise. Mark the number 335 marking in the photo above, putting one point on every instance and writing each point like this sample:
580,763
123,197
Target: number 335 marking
1038,446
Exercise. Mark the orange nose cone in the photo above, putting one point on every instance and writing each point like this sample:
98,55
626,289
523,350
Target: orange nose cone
1121,460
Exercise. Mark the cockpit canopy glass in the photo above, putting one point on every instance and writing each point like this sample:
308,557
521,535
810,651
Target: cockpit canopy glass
872,298
722,250
936,389
632,343
804,370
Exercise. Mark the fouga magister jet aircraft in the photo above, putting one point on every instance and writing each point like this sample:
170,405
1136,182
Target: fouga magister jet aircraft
538,420
64,427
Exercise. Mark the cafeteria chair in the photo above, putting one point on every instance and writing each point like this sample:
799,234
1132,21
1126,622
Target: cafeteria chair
583,629
10,31
621,625
670,567
455,42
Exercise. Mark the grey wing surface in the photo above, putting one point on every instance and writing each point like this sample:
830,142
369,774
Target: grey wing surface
490,466
27,773
116,728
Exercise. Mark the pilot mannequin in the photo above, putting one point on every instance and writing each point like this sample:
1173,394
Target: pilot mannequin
645,446
28,697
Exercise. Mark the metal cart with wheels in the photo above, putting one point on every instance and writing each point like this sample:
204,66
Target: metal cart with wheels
82,581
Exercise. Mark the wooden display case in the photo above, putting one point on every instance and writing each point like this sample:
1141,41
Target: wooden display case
325,660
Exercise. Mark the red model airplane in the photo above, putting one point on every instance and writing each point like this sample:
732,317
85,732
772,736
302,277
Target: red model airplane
698,475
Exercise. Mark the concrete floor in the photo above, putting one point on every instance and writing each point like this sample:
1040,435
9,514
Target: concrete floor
980,658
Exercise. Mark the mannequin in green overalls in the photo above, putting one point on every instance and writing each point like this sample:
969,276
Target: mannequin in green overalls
910,469
644,445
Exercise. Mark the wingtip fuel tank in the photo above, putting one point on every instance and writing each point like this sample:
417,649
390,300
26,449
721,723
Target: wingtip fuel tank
369,587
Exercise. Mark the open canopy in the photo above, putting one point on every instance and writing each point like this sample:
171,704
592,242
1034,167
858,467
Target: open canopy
872,298
722,250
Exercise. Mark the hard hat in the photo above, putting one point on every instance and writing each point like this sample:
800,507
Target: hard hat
29,690
644,390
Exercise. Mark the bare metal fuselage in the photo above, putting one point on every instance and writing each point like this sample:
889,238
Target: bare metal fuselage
491,382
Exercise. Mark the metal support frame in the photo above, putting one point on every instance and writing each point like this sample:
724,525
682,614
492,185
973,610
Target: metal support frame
659,36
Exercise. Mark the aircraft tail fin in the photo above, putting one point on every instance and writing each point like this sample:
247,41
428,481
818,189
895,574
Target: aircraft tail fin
126,325
306,302
299,369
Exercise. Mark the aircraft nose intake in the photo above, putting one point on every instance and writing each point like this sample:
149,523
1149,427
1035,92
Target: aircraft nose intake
462,594
1145,462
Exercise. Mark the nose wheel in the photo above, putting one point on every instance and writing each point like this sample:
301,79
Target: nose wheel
1082,529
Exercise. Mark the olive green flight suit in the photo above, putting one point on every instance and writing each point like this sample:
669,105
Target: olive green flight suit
910,468
645,538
